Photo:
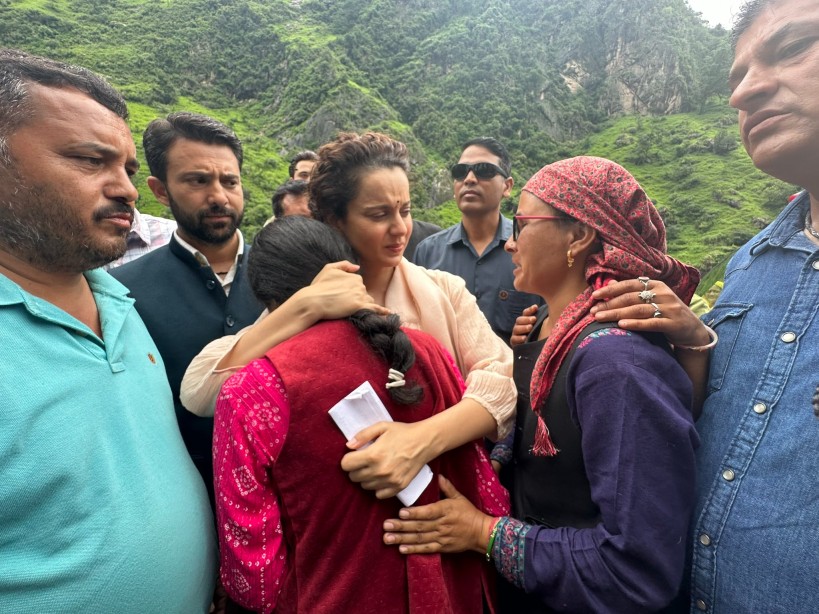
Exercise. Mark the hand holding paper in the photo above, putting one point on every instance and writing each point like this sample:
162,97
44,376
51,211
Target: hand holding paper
362,408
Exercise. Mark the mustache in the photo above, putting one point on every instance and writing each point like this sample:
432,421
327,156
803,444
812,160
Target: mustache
218,211
114,209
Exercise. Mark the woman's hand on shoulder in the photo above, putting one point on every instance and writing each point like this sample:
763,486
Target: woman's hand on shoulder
452,524
337,292
620,302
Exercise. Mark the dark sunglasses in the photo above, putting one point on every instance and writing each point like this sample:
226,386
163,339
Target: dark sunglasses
516,228
482,170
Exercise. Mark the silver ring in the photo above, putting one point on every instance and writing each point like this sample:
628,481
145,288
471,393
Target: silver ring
657,312
647,296
644,281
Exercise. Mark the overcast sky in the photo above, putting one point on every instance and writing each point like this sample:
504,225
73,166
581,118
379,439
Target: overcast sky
717,11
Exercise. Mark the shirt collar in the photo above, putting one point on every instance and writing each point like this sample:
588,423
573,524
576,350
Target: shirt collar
200,257
787,224
101,283
140,229
503,232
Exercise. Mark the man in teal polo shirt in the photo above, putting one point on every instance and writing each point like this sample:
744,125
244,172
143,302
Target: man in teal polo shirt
101,509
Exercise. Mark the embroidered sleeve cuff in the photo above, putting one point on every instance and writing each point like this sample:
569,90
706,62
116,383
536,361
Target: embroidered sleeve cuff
509,549
502,452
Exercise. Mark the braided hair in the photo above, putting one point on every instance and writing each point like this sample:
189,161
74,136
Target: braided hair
287,255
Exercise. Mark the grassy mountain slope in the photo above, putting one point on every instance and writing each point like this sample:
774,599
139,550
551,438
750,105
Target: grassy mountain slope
547,78
695,170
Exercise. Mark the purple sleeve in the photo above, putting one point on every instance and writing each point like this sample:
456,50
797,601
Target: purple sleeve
502,450
632,402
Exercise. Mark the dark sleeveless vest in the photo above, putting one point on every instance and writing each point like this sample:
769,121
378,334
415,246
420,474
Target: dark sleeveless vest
548,491
332,527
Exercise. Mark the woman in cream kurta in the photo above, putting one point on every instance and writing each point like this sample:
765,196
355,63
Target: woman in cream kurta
360,186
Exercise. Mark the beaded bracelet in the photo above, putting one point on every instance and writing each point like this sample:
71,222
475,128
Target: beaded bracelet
701,348
492,535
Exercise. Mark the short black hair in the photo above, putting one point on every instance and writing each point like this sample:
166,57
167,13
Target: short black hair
18,69
164,132
296,188
747,15
302,155
496,147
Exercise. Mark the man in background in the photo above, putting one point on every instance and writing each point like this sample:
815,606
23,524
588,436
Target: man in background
148,232
194,289
755,528
301,166
473,248
101,509
757,480
291,198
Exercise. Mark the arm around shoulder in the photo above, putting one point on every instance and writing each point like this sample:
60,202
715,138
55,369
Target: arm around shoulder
203,378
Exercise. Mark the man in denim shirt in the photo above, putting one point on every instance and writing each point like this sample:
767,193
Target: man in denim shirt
473,248
756,527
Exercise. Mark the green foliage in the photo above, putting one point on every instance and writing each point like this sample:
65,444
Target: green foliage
711,203
725,141
550,79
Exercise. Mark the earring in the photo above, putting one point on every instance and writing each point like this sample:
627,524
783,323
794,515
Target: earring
569,258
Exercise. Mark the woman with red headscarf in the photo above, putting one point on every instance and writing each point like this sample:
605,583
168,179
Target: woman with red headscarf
602,465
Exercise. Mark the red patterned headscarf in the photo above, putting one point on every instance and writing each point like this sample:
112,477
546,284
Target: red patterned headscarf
604,196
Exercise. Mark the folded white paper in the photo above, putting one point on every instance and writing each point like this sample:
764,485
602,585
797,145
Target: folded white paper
362,408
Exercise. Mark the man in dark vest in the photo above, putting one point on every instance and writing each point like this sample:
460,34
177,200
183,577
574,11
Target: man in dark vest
194,289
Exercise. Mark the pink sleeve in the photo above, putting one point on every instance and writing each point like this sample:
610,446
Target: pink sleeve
251,422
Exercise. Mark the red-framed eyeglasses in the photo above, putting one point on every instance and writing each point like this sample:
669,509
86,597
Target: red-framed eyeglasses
516,228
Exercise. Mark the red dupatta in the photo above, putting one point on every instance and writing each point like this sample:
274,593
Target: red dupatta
604,196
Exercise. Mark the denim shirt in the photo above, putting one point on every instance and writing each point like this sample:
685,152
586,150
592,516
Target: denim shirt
488,276
756,527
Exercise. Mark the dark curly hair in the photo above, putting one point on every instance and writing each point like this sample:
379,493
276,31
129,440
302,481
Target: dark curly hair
341,164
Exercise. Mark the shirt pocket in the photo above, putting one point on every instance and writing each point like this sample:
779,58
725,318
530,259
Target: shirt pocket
726,319
509,304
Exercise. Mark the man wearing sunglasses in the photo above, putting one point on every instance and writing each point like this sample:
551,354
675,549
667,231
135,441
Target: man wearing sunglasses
473,248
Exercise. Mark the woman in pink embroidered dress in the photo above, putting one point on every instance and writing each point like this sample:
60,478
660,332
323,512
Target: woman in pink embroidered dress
280,491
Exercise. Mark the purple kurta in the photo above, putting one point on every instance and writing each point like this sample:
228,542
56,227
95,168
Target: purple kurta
631,401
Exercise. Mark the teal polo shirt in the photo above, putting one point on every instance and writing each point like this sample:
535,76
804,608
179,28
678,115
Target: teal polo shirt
101,508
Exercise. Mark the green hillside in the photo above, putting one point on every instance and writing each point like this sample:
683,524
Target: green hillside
640,82
695,170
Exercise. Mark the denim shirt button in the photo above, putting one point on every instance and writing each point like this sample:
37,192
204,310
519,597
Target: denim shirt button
728,475
705,539
788,337
760,408
815,265
701,605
